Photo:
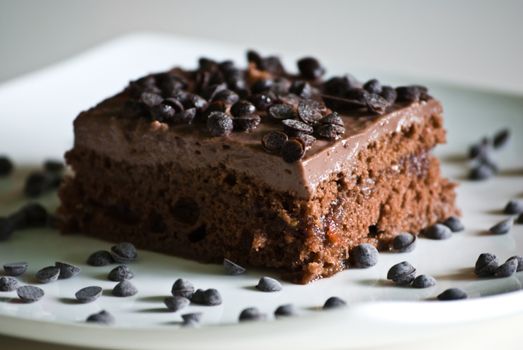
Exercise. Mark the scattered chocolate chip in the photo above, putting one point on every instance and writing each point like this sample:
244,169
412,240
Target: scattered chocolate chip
329,131
53,165
268,284
88,294
176,303
262,102
480,149
15,269
402,273
7,227
486,265
404,242
219,124
39,182
334,303
124,252
501,138
6,166
452,294
251,314
282,111
285,310
423,281
242,107
209,297
124,289
120,273
377,104
102,317
309,111
67,270
232,268
410,93
481,172
507,269
292,151
29,294
310,68
364,255
293,127
183,288
519,219
273,141
519,258
100,258
502,227
454,224
437,231
246,123
389,94
48,274
192,319
514,207
8,284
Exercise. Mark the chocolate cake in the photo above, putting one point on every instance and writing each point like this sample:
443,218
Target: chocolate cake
257,165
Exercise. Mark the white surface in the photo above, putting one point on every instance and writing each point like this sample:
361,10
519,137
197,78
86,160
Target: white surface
36,123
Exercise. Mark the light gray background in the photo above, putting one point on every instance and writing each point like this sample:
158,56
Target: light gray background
478,42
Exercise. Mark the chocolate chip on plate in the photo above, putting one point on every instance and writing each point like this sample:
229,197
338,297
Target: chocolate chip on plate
285,310
8,283
232,268
501,138
100,258
251,314
402,273
15,268
183,288
219,124
268,284
54,165
124,252
452,294
102,317
364,255
404,242
120,273
502,227
209,297
273,141
513,207
481,172
124,289
67,270
176,303
334,303
519,219
292,151
486,265
6,166
310,68
437,231
29,294
454,224
423,281
507,269
519,258
192,319
88,294
48,274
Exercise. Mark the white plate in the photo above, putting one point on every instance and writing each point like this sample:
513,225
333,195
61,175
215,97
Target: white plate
35,123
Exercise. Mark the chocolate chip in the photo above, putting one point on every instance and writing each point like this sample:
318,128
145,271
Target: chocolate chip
232,268
454,224
333,118
404,242
209,297
377,104
292,127
38,183
100,258
251,314
48,274
268,284
183,288
452,294
261,85
306,140
514,207
486,265
124,252
29,294
309,111
229,97
124,289
174,103
254,57
292,151
329,131
262,101
501,138
519,258
480,149
242,107
280,86
176,303
410,93
338,86
285,310
437,231
282,111
273,141
88,294
481,172
120,273
402,273
150,99
310,68
364,255
389,94
192,319
507,269
246,123
373,86
8,284
53,165
272,64
15,269
185,117
7,227
334,303
67,270
502,227
519,219
6,166
219,124
210,91
102,317
424,281
357,97
301,88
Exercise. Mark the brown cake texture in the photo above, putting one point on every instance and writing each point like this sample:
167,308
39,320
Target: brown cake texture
180,162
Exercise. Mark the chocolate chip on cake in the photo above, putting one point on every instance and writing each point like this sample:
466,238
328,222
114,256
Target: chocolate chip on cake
102,317
364,255
377,104
182,287
251,314
282,111
120,273
292,151
6,166
452,294
309,111
124,289
100,258
423,281
176,303
502,227
310,68
404,242
229,97
261,101
373,86
67,270
29,294
332,118
402,273
334,303
88,294
261,85
454,224
209,297
246,123
409,93
219,124
273,141
301,88
389,94
285,310
501,138
48,274
150,99
15,268
293,127
329,131
514,207
507,269
486,265
232,268
437,231
124,252
8,284
268,284
242,107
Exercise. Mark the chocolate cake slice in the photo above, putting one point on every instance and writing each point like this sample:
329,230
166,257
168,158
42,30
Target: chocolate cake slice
257,165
